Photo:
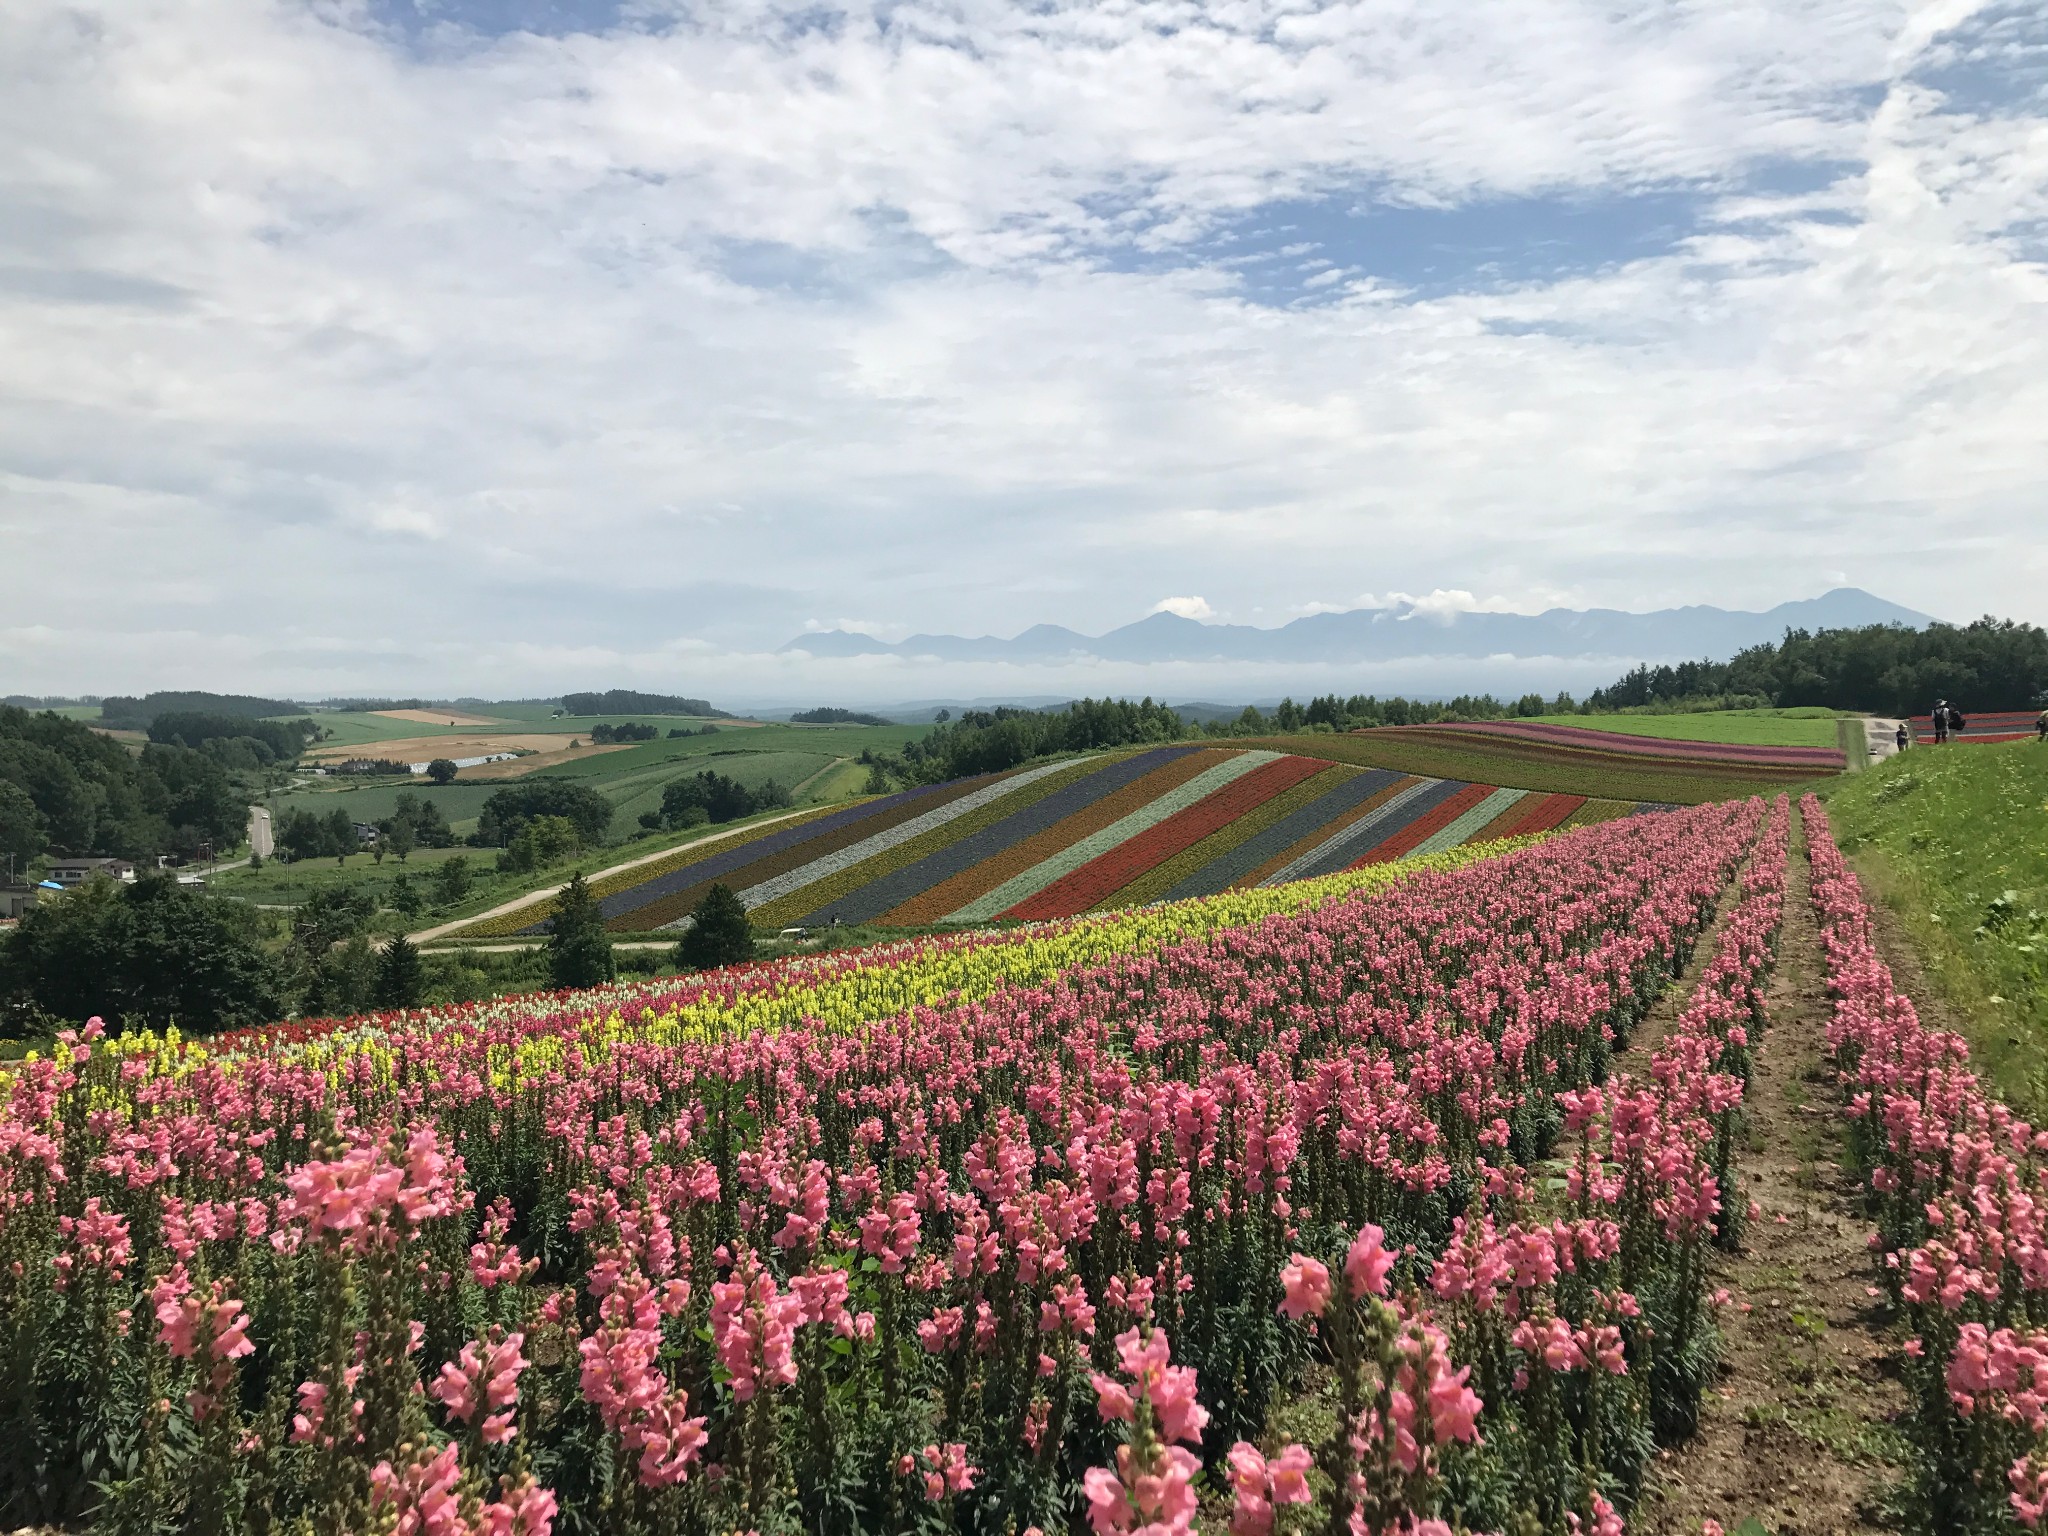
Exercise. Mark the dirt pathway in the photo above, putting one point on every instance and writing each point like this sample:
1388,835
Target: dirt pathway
1796,1432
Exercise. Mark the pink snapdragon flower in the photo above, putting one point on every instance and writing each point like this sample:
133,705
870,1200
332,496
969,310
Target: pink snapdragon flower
1306,1282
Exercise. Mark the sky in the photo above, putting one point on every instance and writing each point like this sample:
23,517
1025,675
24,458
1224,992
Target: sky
497,347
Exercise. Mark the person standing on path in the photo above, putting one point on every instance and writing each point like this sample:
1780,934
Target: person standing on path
2041,727
1939,720
1904,737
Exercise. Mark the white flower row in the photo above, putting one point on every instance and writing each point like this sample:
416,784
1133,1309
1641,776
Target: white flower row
1495,804
1296,868
1071,858
894,837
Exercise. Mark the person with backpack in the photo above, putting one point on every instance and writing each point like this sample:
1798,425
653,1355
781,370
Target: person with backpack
1956,722
1939,720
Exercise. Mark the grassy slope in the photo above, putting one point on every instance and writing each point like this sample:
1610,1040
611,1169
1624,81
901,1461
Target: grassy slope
1747,727
281,884
632,779
1940,835
373,802
1515,766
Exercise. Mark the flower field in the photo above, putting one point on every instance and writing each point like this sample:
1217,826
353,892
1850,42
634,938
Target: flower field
1608,765
1959,1185
1323,1205
1069,837
1806,762
1991,726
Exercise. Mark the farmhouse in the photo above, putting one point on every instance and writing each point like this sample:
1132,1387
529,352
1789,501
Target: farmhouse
68,872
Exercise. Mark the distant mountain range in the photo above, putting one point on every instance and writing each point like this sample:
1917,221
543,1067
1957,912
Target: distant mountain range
1392,634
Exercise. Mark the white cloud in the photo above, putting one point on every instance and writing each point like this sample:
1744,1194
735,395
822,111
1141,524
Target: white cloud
583,347
1186,607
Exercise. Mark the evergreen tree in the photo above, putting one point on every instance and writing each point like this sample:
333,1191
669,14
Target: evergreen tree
579,951
401,978
719,934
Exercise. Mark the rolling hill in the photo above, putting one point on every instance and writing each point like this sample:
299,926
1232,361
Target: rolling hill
1060,838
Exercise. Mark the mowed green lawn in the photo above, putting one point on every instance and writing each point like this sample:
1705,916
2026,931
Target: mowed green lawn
1954,840
373,802
286,885
1803,727
639,789
346,729
823,742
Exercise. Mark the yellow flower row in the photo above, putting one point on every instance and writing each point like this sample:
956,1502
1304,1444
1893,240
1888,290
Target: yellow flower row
894,984
891,980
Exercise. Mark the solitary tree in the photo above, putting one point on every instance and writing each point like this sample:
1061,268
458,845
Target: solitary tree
341,835
441,770
401,979
579,951
719,933
451,881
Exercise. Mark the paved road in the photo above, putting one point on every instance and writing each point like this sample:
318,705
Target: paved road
1882,735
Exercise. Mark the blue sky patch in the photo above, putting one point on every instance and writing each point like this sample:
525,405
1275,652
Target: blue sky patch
1309,250
1994,65
500,18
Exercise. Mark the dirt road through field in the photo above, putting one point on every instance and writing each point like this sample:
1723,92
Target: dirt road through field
1796,1431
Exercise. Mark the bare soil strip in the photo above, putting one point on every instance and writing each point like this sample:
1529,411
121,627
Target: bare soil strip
1796,1434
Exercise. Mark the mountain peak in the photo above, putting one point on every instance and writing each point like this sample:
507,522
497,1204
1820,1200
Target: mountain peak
1692,633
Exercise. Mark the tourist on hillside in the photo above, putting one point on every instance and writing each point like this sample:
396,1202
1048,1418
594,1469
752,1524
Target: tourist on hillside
1904,737
1940,721
2041,727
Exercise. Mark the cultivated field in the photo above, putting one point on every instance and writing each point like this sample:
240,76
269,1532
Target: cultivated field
1793,727
448,717
1064,837
1609,765
1148,1169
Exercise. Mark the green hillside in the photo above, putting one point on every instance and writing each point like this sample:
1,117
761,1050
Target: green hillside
1954,840
1802,727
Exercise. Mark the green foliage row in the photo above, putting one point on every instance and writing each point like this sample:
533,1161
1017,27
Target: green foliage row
604,733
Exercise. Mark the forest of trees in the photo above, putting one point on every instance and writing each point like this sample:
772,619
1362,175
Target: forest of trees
698,798
625,701
126,712
266,741
66,788
1885,669
831,715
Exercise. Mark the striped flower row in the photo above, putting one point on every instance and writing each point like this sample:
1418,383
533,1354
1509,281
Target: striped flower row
1058,839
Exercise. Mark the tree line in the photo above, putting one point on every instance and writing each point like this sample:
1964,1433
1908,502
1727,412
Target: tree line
626,701
155,954
1992,664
